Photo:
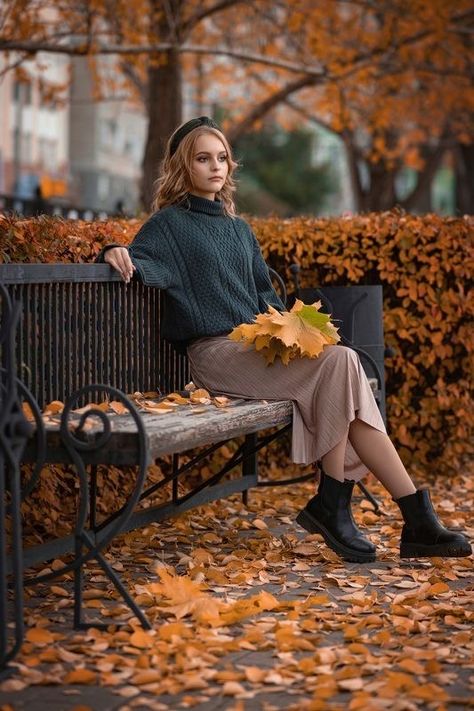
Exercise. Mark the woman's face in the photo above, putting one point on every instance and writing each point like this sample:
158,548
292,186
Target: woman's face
209,166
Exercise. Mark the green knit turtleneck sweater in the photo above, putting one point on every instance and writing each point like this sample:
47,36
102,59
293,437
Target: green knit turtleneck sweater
209,265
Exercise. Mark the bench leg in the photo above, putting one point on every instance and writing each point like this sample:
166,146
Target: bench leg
249,462
79,621
174,484
78,586
93,498
10,647
370,497
15,431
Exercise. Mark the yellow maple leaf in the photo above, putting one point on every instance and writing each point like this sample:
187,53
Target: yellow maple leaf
301,332
185,596
176,588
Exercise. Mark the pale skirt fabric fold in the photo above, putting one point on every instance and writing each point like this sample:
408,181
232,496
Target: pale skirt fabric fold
328,392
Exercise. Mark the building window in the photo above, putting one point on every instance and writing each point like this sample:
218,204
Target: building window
112,126
48,154
22,147
22,92
26,152
133,148
103,186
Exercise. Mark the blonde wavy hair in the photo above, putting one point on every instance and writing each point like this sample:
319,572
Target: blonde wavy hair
175,182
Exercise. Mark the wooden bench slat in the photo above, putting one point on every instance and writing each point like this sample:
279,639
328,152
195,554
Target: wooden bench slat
174,432
184,430
57,273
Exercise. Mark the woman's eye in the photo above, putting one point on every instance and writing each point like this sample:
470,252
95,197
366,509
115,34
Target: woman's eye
203,159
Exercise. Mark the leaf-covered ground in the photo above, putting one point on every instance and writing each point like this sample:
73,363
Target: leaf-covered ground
249,612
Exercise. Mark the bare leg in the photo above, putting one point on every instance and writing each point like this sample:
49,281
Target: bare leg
380,456
333,461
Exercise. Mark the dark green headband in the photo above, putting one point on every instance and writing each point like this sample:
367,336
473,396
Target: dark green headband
187,127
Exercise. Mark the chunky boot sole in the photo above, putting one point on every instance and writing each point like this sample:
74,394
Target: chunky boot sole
310,524
440,550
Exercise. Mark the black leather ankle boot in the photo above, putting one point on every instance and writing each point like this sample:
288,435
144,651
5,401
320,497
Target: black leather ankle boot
329,513
423,534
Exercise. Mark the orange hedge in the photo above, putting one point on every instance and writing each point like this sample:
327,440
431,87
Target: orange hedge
424,264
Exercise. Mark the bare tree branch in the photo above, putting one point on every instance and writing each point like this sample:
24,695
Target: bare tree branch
461,30
171,14
301,111
133,76
196,18
11,66
80,49
5,14
126,67
265,106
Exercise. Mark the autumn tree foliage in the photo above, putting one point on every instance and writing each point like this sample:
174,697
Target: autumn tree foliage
391,78
395,84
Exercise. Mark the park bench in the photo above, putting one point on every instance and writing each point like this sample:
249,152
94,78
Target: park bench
81,333
74,333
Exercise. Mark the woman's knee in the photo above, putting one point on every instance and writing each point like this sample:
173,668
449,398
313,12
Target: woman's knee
341,354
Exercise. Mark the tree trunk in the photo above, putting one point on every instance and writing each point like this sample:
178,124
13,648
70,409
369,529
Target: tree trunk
464,175
380,194
164,114
422,203
420,199
352,157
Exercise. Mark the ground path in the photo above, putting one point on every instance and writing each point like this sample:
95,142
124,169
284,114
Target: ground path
249,613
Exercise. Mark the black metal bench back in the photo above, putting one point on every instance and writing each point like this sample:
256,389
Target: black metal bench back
81,324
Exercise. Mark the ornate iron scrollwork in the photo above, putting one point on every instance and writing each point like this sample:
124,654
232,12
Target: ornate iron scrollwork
88,545
15,430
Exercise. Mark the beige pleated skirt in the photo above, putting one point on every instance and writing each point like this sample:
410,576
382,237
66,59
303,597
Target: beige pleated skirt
328,393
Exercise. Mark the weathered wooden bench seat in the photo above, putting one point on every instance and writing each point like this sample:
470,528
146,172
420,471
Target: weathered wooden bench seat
183,429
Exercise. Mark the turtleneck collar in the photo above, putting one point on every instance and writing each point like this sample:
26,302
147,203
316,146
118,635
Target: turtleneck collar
199,204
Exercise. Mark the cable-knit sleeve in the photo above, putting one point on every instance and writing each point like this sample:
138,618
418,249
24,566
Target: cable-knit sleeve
266,293
148,253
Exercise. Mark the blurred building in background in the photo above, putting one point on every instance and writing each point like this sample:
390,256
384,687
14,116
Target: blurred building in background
105,145
58,142
34,128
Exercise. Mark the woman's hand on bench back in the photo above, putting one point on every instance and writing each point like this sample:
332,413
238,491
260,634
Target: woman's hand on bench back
119,259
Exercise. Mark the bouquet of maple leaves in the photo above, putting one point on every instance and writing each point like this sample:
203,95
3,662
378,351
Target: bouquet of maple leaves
303,331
